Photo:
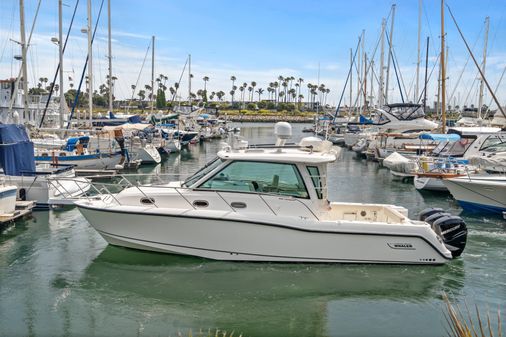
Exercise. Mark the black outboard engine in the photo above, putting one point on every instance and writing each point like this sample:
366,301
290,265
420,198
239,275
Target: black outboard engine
450,228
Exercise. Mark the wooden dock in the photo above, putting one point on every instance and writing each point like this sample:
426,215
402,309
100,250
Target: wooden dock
23,209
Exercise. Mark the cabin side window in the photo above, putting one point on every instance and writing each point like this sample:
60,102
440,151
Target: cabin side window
314,173
260,177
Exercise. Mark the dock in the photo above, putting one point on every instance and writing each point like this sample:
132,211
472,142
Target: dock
23,209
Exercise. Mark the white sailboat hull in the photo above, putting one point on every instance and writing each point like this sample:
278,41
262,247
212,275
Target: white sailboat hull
148,154
94,161
429,184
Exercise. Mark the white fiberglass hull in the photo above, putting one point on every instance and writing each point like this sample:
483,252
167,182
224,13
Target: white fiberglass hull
429,184
148,154
7,199
50,190
479,193
87,161
224,235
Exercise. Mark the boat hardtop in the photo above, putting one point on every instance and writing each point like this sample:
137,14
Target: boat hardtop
302,153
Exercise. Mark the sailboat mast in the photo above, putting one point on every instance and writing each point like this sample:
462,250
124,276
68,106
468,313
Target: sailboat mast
417,81
425,79
443,70
60,52
390,45
371,91
382,64
110,54
23,56
482,82
365,82
90,66
351,83
190,81
152,72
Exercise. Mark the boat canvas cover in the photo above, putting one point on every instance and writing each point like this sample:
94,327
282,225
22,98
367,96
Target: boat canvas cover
16,151
494,162
398,163
445,137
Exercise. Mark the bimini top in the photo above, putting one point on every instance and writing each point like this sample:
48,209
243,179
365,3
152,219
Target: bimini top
444,137
309,150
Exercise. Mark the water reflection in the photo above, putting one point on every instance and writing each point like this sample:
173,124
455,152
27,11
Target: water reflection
286,298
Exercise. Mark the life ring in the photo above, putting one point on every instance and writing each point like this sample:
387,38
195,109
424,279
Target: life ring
463,141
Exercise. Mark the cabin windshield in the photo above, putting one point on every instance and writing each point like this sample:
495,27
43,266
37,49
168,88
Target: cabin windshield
454,149
494,144
259,177
407,112
203,171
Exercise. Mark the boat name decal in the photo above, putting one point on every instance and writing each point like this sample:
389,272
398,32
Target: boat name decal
408,246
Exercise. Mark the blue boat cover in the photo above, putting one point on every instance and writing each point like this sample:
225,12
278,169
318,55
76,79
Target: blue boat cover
73,141
134,119
445,137
16,151
364,120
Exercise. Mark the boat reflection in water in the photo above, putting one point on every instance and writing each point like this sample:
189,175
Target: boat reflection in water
170,293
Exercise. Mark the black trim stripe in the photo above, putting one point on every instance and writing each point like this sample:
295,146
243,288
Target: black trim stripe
263,255
264,224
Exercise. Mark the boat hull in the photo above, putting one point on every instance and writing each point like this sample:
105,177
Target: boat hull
98,161
229,236
479,194
429,184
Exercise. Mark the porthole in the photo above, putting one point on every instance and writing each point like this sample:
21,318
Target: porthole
200,203
147,201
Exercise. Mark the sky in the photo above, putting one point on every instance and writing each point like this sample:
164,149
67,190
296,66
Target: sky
261,40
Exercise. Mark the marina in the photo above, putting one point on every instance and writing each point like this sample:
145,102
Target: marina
178,185
80,285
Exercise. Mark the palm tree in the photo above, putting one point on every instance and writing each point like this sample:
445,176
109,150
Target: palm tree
253,84
275,86
250,95
285,85
220,94
241,88
233,78
260,91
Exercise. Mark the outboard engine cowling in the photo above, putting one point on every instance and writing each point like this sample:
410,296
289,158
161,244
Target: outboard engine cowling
453,230
450,228
428,212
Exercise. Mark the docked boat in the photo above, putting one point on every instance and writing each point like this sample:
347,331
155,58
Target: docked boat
45,184
77,153
269,203
479,193
7,199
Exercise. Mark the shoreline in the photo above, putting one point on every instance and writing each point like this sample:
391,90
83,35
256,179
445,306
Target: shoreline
269,119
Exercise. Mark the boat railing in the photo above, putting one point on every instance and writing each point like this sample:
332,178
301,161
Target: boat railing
107,191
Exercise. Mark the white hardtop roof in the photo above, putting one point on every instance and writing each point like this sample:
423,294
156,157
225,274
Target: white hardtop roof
475,130
280,155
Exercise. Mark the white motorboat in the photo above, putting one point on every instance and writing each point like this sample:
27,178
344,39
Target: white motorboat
479,193
269,203
470,150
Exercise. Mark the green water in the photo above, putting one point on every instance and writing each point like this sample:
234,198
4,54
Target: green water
58,277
